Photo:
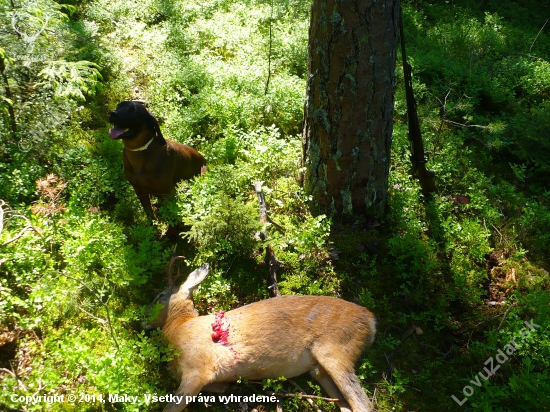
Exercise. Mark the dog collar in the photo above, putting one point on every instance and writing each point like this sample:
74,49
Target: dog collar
139,149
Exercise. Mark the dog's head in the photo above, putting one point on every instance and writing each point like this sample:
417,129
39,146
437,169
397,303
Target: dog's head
130,119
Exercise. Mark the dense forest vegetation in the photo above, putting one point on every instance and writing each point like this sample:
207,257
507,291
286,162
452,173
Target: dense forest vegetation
455,281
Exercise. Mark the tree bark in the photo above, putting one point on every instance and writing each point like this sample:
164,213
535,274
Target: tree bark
348,113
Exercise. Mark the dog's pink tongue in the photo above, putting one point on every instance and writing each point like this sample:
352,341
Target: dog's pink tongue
115,132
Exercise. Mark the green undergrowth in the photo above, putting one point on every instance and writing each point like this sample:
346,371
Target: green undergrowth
453,279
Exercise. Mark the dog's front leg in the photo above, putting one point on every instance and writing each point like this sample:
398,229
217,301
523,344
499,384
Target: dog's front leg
145,200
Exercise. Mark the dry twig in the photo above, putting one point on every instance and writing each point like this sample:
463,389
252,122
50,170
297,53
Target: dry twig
307,399
301,395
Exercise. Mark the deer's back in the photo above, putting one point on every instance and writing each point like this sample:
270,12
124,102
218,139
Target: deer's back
281,336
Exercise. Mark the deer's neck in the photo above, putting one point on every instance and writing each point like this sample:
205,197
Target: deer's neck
179,312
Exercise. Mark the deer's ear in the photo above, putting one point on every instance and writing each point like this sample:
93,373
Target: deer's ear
193,280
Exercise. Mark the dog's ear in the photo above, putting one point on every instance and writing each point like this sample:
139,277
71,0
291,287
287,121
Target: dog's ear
154,125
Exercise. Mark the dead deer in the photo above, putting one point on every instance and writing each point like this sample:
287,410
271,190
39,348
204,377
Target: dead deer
282,336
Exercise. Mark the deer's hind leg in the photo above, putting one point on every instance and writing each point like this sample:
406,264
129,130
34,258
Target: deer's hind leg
337,377
330,387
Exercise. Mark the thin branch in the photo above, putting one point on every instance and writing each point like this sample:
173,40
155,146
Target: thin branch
100,320
15,376
98,298
21,233
531,57
301,395
307,399
498,231
504,317
8,371
7,242
2,203
9,95
270,48
537,36
278,226
291,395
464,125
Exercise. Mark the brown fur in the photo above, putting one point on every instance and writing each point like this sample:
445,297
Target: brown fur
157,169
284,336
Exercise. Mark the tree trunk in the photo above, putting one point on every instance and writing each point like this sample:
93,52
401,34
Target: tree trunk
349,105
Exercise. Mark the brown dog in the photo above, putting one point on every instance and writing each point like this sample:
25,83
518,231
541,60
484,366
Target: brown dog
152,164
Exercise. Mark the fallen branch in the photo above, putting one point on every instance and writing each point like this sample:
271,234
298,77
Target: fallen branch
270,258
17,237
274,264
21,233
264,218
263,207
